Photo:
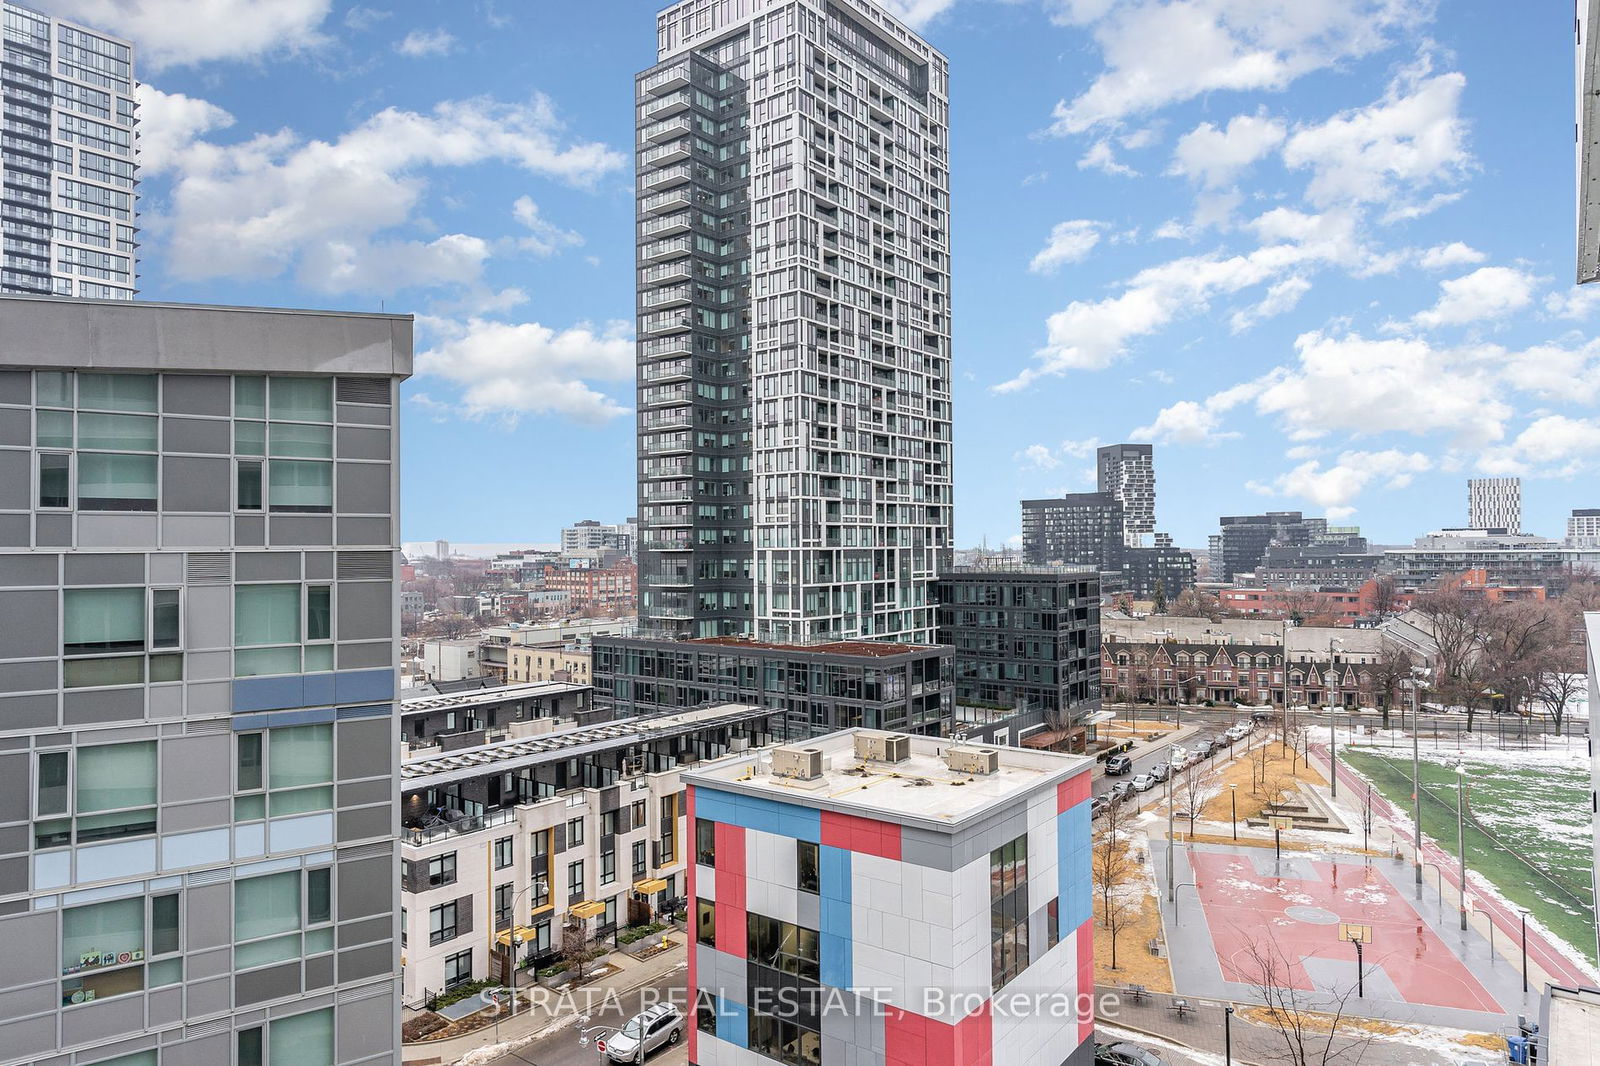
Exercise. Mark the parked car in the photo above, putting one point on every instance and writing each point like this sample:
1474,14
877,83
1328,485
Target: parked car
1118,765
1177,755
1120,791
1235,734
1143,783
1161,771
657,1027
1206,748
1245,724
1263,717
1124,1054
1097,806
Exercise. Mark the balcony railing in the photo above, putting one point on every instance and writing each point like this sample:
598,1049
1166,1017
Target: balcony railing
418,835
680,368
665,80
676,294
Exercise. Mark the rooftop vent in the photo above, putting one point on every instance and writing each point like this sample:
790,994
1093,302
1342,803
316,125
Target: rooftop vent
797,764
971,760
883,747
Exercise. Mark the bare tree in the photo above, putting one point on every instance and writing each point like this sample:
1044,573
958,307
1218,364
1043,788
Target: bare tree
1195,788
1260,758
1457,624
1320,1036
1115,875
577,947
1518,639
1385,597
1390,674
1560,676
448,627
1193,603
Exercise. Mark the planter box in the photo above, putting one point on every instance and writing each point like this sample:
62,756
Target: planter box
651,942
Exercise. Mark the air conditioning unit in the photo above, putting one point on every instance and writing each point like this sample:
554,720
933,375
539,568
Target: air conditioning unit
971,760
798,764
883,747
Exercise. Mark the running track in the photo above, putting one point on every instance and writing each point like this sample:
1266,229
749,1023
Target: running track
1541,952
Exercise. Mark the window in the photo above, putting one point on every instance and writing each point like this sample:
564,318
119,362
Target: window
705,1012
166,619
247,494
638,860
101,626
442,870
1008,911
114,794
705,842
1052,923
266,615
301,399
504,852
249,397
807,865
116,482
608,866
784,1040
458,968
55,479
705,922
638,815
266,919
791,949
575,833
283,771
299,487
442,923
102,950
504,896
575,880
608,823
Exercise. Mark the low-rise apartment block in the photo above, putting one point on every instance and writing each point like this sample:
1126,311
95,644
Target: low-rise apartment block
882,898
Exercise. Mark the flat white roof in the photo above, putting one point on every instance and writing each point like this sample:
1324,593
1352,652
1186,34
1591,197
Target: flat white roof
921,790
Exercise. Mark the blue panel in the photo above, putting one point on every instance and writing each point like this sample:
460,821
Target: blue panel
835,915
733,1022
755,812
319,688
363,686
1073,841
269,693
314,716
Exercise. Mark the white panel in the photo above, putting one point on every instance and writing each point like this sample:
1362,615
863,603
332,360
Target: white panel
249,841
124,859
1046,1034
298,834
207,847
52,870
705,882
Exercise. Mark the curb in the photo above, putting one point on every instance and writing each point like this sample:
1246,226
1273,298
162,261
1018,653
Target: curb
1170,1039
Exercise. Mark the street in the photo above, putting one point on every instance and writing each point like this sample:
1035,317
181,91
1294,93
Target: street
560,1047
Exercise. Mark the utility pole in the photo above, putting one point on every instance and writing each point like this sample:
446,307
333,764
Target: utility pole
1172,844
1461,834
1333,735
1416,782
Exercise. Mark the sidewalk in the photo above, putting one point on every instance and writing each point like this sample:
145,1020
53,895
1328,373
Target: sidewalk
1490,916
542,1019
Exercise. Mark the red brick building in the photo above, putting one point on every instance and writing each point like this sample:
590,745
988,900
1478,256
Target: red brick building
610,587
1171,671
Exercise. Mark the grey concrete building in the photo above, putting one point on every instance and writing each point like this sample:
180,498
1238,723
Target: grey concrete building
198,646
794,323
69,158
1242,540
819,687
1128,472
1079,528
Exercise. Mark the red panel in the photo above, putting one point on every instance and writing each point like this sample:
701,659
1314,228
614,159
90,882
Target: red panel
865,835
974,1038
910,1039
905,1035
1073,791
1085,936
731,931
686,840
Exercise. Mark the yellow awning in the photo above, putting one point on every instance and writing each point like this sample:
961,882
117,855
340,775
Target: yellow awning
586,909
650,884
521,934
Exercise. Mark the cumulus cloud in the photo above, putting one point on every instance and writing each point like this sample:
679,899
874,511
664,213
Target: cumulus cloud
171,122
1281,298
1388,152
1336,486
1037,457
326,210
173,33
1576,302
419,44
1202,422
1069,242
1215,157
1488,292
508,370
1445,256
1552,446
1103,158
1161,52
544,237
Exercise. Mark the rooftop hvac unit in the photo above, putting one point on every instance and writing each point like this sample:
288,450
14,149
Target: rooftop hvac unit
798,764
972,760
883,747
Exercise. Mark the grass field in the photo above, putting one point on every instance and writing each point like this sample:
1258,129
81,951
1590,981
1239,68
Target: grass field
1532,840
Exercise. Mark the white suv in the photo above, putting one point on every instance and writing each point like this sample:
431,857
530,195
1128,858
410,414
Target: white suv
657,1027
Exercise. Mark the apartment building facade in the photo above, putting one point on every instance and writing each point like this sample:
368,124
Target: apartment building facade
199,633
839,922
70,159
1242,541
794,323
1128,473
1079,529
1495,503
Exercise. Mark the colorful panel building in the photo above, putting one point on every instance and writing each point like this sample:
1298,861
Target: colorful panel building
876,897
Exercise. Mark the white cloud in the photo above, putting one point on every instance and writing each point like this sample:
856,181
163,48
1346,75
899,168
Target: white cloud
917,13
1191,422
508,370
1037,457
1552,446
419,44
1160,52
324,210
1576,302
1281,298
1100,157
1069,242
1445,256
361,18
1366,387
1551,373
1215,157
170,123
1334,487
172,33
1488,292
1390,151
544,237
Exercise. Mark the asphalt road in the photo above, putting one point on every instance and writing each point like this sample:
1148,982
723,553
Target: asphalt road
561,1047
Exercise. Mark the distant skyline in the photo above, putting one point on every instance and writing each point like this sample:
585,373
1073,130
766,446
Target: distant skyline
1318,254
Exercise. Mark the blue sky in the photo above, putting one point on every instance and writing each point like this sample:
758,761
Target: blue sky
1319,251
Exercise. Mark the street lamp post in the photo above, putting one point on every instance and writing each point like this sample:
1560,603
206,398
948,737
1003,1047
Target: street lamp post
1524,953
1227,1036
1333,735
1416,780
1461,834
1366,821
1233,798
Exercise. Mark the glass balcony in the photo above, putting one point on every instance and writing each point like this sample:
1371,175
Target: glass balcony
665,80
